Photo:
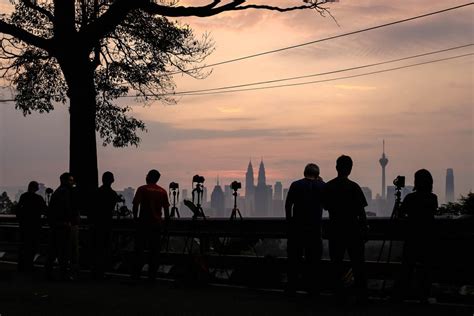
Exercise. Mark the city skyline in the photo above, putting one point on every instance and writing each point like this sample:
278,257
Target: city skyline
424,113
249,173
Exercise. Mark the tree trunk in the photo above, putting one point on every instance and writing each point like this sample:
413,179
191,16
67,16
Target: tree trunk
79,75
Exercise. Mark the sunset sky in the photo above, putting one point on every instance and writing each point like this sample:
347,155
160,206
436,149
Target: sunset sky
425,113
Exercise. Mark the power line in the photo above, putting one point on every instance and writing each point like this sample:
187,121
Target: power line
322,73
325,80
230,89
325,39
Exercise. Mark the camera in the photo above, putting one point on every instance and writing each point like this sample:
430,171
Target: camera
198,179
235,185
120,198
174,186
399,182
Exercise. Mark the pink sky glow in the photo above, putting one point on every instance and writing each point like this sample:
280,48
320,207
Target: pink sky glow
425,113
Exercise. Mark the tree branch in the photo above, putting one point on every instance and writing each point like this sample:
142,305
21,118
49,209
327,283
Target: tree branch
273,8
119,9
107,22
34,6
200,11
25,36
212,8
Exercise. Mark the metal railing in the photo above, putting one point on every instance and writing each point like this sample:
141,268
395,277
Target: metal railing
262,242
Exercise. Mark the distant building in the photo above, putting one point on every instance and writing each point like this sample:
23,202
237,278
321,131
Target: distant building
228,197
278,208
249,201
285,193
218,200
381,207
367,193
184,194
270,210
383,163
249,181
449,185
406,190
390,199
368,197
128,194
261,193
18,194
42,190
278,195
204,195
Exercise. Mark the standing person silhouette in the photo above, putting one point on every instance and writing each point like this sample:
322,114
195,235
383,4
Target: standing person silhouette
62,216
105,199
303,211
418,208
148,203
345,203
29,210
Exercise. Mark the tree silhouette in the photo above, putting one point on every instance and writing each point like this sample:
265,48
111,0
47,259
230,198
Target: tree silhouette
90,52
465,206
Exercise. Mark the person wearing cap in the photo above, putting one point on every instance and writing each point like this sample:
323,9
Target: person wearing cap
303,211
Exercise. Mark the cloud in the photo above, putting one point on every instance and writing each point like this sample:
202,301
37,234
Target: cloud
356,88
229,110
235,119
161,133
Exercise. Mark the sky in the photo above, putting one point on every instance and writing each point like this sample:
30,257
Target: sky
424,113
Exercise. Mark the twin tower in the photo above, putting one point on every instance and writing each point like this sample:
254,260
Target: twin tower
258,197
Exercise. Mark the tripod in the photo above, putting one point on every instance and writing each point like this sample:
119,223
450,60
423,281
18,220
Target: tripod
174,190
49,193
174,209
198,192
198,212
235,210
394,216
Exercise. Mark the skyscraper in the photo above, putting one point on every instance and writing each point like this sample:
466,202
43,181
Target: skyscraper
261,174
449,185
278,194
249,190
217,200
278,209
249,181
383,162
261,192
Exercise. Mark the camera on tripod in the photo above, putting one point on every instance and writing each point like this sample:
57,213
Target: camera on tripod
120,198
399,182
197,194
174,190
198,179
235,185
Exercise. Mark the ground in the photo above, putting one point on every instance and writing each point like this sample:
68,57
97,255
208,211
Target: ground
120,296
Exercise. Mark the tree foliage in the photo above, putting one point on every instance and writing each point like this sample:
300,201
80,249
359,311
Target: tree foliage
465,206
137,57
93,52
6,205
